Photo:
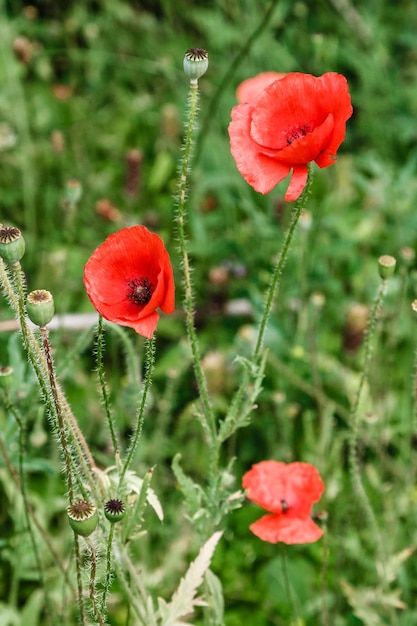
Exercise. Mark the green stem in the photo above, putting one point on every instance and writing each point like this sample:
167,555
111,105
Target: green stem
276,274
92,584
103,385
207,416
355,420
107,583
79,579
149,367
58,410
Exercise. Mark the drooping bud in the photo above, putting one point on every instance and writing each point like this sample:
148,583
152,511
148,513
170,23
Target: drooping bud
386,266
12,244
114,510
40,307
83,518
6,377
195,64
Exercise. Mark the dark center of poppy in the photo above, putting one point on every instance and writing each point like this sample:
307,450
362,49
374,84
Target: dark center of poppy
285,506
295,132
139,291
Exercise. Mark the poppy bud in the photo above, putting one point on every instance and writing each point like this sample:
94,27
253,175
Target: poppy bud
114,510
82,517
195,64
40,307
6,377
386,266
12,244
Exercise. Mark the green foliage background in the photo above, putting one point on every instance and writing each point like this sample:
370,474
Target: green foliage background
104,78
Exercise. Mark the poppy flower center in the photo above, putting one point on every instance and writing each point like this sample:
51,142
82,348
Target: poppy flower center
285,506
139,290
295,132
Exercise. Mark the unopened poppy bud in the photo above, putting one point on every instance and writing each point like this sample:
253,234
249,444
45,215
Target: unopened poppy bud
40,307
195,64
82,517
12,244
386,266
6,377
114,510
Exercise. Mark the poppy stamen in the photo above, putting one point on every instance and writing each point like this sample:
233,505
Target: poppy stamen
295,132
285,506
140,290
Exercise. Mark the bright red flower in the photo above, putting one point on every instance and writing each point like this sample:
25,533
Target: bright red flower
288,492
250,88
128,277
293,121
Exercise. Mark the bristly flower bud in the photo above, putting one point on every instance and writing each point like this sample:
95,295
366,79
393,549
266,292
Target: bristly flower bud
114,510
82,517
6,377
386,266
12,244
195,64
40,307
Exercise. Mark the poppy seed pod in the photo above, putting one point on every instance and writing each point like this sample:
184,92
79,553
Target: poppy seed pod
12,244
114,510
6,377
195,64
82,517
40,307
386,266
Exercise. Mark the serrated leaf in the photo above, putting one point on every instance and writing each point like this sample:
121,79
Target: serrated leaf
183,600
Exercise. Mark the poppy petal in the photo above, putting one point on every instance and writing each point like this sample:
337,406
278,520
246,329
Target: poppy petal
270,483
274,528
297,183
261,172
250,88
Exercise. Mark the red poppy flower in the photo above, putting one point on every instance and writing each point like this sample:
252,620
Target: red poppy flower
128,277
293,121
288,492
250,88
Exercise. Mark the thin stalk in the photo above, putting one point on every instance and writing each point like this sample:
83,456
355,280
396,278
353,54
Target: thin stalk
79,579
92,583
107,583
207,415
104,390
355,421
58,410
149,367
279,266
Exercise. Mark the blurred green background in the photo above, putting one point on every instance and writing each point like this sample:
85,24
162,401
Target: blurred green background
95,92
